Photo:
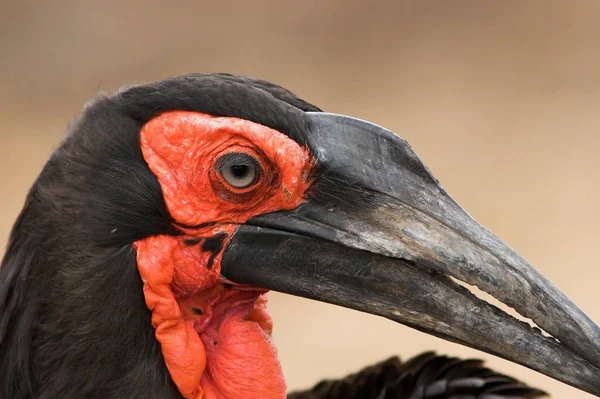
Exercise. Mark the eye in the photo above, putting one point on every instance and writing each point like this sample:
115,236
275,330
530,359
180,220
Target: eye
239,176
239,170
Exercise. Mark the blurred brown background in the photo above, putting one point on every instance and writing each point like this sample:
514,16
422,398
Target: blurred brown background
501,99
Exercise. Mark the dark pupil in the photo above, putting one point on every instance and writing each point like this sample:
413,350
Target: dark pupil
239,171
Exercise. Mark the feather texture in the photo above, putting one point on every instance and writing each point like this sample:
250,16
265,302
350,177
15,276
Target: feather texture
427,376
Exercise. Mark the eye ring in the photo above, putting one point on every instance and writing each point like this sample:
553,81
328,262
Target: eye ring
239,170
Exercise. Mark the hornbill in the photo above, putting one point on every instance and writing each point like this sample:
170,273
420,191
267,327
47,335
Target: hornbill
140,264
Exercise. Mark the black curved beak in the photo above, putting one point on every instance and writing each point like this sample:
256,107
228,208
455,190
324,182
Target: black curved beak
380,235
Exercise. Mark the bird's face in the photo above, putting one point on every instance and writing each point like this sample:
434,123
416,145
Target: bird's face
345,214
215,174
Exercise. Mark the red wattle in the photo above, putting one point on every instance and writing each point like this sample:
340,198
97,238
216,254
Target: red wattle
241,359
215,339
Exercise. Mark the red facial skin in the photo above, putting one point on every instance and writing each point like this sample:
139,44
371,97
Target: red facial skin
215,338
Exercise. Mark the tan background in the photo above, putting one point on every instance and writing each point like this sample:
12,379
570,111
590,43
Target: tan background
501,100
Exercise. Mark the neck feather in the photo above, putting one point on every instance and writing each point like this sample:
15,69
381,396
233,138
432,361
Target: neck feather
76,325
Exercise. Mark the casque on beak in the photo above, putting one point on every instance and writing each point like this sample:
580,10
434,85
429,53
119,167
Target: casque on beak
380,235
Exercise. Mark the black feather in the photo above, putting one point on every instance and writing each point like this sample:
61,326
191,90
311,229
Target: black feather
220,95
73,321
426,376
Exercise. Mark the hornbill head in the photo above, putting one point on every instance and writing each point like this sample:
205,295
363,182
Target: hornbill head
140,263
